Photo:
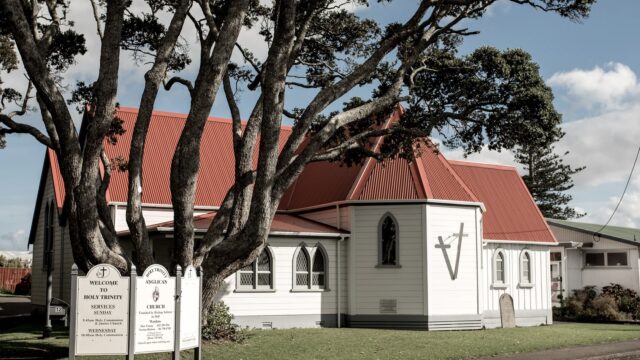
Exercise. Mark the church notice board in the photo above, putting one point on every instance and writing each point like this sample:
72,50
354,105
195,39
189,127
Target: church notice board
102,312
127,315
155,310
190,309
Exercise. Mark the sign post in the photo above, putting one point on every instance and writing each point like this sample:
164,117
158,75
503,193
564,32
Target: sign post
132,310
119,315
176,333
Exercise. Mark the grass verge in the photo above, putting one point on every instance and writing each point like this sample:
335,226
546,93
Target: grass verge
22,342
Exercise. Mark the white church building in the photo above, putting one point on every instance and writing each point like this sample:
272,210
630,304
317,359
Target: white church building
432,244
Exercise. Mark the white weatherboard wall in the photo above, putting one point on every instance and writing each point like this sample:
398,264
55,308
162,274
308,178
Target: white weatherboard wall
62,255
579,275
452,303
285,307
369,284
576,275
532,305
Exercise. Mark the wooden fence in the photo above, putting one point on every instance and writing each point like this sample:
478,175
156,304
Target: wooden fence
10,277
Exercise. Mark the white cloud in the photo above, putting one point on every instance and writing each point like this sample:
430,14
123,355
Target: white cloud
606,144
605,140
628,212
504,157
608,87
16,240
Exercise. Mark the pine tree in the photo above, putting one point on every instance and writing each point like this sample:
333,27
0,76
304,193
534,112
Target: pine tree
548,179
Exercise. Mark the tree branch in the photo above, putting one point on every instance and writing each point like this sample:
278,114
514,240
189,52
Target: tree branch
96,16
236,127
179,80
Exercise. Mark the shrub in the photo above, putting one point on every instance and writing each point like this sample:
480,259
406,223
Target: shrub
605,307
219,326
614,302
24,287
627,299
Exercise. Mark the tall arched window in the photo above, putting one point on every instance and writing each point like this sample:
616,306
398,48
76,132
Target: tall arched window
499,266
388,246
310,268
47,252
318,274
258,275
302,268
525,269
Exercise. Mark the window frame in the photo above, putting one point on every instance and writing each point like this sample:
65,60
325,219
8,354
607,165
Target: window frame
605,253
380,241
495,283
310,254
526,283
254,287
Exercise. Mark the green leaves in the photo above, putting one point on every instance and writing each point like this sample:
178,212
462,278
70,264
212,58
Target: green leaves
64,48
490,97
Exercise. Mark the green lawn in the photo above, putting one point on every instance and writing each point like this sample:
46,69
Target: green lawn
22,342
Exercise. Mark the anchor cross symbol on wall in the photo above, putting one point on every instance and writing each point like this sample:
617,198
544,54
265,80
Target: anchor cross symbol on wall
453,272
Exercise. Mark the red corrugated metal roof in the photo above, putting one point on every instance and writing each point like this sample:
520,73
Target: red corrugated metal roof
281,223
512,214
511,211
442,180
320,183
391,179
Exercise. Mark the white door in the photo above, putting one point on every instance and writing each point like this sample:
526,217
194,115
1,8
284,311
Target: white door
556,282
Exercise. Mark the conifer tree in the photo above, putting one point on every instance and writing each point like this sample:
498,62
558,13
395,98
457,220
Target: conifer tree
548,179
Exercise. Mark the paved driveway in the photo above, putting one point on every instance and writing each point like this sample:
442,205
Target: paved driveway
626,350
14,306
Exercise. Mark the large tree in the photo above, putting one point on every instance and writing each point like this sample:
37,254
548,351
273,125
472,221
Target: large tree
548,179
316,46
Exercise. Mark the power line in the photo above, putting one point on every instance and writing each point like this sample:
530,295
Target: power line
621,197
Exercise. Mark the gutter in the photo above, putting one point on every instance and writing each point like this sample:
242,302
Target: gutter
272,233
383,202
521,242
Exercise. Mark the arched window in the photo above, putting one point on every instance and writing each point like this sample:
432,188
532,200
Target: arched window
499,266
318,274
302,268
388,246
258,275
310,268
525,269
47,252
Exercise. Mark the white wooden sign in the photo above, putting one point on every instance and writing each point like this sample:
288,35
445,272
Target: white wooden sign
155,311
190,309
101,312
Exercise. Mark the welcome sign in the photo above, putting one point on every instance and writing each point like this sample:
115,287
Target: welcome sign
127,315
102,312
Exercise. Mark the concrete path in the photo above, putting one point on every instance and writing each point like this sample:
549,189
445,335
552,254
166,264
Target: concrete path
14,306
626,350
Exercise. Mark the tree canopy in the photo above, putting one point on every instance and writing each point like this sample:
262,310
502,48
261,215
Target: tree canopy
487,97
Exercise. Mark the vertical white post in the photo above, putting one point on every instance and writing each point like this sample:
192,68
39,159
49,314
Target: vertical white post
176,326
132,312
72,312
197,352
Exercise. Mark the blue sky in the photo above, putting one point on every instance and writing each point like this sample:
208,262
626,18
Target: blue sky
591,67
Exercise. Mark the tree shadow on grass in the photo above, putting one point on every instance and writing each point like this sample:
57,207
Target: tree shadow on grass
24,341
23,350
